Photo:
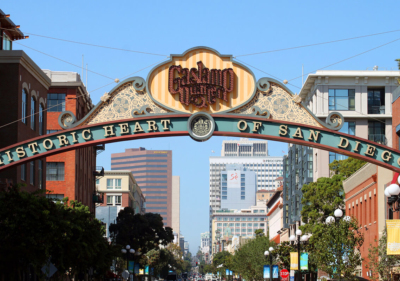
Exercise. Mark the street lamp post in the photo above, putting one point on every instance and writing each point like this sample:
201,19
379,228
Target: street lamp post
337,215
300,239
127,251
269,254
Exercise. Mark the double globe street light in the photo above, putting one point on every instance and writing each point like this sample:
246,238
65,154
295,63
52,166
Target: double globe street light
300,239
128,251
392,192
269,254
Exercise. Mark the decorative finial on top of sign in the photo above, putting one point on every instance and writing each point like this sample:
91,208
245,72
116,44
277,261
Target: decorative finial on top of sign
297,98
116,80
285,81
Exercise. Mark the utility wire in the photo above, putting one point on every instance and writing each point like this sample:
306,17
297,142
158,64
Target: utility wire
316,44
348,58
88,44
46,109
64,61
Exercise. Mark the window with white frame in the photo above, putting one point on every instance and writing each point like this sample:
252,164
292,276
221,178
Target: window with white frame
114,200
113,183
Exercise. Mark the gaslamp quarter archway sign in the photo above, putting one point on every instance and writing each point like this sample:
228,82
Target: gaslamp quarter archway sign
200,93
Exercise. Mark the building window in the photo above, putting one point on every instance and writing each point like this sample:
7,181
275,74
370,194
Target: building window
32,172
40,173
52,131
41,128
376,132
55,102
7,43
342,99
348,128
109,200
224,197
261,225
242,197
23,172
24,105
55,197
118,199
376,101
33,111
336,156
113,183
55,171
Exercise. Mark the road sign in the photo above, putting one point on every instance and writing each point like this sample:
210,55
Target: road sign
49,269
284,273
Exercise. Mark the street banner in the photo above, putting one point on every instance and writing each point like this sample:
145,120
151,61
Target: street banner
304,261
227,272
294,261
291,275
131,266
141,271
137,266
393,237
275,271
266,273
230,272
146,270
152,271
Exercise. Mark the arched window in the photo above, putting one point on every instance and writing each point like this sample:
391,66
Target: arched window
33,110
41,119
24,105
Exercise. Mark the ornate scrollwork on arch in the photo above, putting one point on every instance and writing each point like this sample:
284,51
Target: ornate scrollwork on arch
263,84
334,121
66,120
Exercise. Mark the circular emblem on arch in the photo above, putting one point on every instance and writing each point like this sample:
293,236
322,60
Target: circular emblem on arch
201,126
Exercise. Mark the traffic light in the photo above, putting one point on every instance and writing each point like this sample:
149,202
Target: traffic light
196,263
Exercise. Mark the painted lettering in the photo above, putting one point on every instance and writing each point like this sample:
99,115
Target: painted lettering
9,156
1,161
344,143
138,128
50,146
32,147
386,155
165,124
74,139
357,146
20,152
256,126
86,137
313,135
109,131
63,140
370,150
298,134
283,130
240,127
124,128
152,126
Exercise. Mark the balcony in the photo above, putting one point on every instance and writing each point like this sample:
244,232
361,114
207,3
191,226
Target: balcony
99,172
378,138
376,109
100,148
98,198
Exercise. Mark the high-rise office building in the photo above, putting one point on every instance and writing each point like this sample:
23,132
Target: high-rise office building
152,170
244,148
238,187
175,219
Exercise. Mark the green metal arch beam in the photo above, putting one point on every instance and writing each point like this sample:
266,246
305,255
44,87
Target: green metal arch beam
176,125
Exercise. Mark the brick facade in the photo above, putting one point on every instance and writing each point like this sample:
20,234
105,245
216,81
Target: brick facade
79,180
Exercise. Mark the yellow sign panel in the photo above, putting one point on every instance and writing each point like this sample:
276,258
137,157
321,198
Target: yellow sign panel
393,237
294,261
201,80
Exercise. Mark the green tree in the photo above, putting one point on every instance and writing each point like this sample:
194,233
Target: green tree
249,259
283,251
379,262
259,232
337,252
142,232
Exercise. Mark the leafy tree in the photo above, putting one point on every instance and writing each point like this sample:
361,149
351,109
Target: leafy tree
337,252
346,167
283,251
379,262
142,232
249,259
259,232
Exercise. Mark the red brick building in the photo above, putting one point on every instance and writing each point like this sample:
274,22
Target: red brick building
70,174
23,93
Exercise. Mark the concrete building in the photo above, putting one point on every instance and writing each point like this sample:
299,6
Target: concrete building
186,248
182,242
365,200
244,148
119,190
275,216
152,170
363,97
23,94
176,205
70,174
205,245
264,194
238,187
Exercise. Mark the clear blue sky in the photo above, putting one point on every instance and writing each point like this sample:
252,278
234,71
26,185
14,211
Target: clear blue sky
231,27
